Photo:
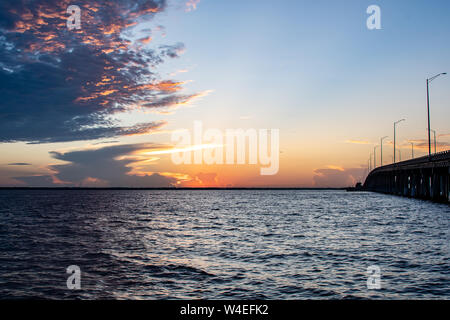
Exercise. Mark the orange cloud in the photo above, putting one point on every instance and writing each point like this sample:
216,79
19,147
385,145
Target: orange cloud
191,5
358,142
202,180
145,40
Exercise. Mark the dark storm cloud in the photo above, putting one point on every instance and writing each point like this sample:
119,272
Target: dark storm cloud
19,164
103,167
61,85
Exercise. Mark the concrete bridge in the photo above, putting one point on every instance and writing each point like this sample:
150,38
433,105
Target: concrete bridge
425,178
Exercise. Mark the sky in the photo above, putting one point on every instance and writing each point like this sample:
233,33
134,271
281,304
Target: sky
98,106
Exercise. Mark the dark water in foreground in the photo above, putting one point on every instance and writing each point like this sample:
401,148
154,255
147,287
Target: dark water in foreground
221,244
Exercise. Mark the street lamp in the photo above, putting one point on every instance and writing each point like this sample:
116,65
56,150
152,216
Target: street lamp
382,149
375,157
434,133
412,150
395,124
428,109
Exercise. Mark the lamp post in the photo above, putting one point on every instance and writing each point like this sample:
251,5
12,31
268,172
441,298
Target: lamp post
428,109
395,124
434,133
400,155
412,150
375,157
381,144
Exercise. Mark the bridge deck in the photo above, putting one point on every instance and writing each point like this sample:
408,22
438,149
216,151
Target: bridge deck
425,177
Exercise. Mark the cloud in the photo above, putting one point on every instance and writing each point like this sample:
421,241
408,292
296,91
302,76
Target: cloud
65,85
336,177
335,167
423,144
191,5
37,181
164,104
104,167
145,40
172,51
358,142
178,71
19,164
95,133
207,179
200,180
106,142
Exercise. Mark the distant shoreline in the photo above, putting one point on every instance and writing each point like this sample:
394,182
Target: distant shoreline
168,188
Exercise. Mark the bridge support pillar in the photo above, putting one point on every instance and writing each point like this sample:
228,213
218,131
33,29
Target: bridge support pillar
425,178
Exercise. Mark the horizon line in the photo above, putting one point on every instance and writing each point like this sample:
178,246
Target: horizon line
173,188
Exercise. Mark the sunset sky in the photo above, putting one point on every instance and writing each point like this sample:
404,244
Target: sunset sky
96,107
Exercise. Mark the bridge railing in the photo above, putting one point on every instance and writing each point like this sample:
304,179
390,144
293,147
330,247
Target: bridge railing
439,156
426,177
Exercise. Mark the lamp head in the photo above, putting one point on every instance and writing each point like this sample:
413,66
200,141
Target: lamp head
432,78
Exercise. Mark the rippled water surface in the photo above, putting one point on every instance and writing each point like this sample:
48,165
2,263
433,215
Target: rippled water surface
221,244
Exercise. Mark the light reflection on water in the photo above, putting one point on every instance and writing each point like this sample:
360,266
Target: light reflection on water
221,244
